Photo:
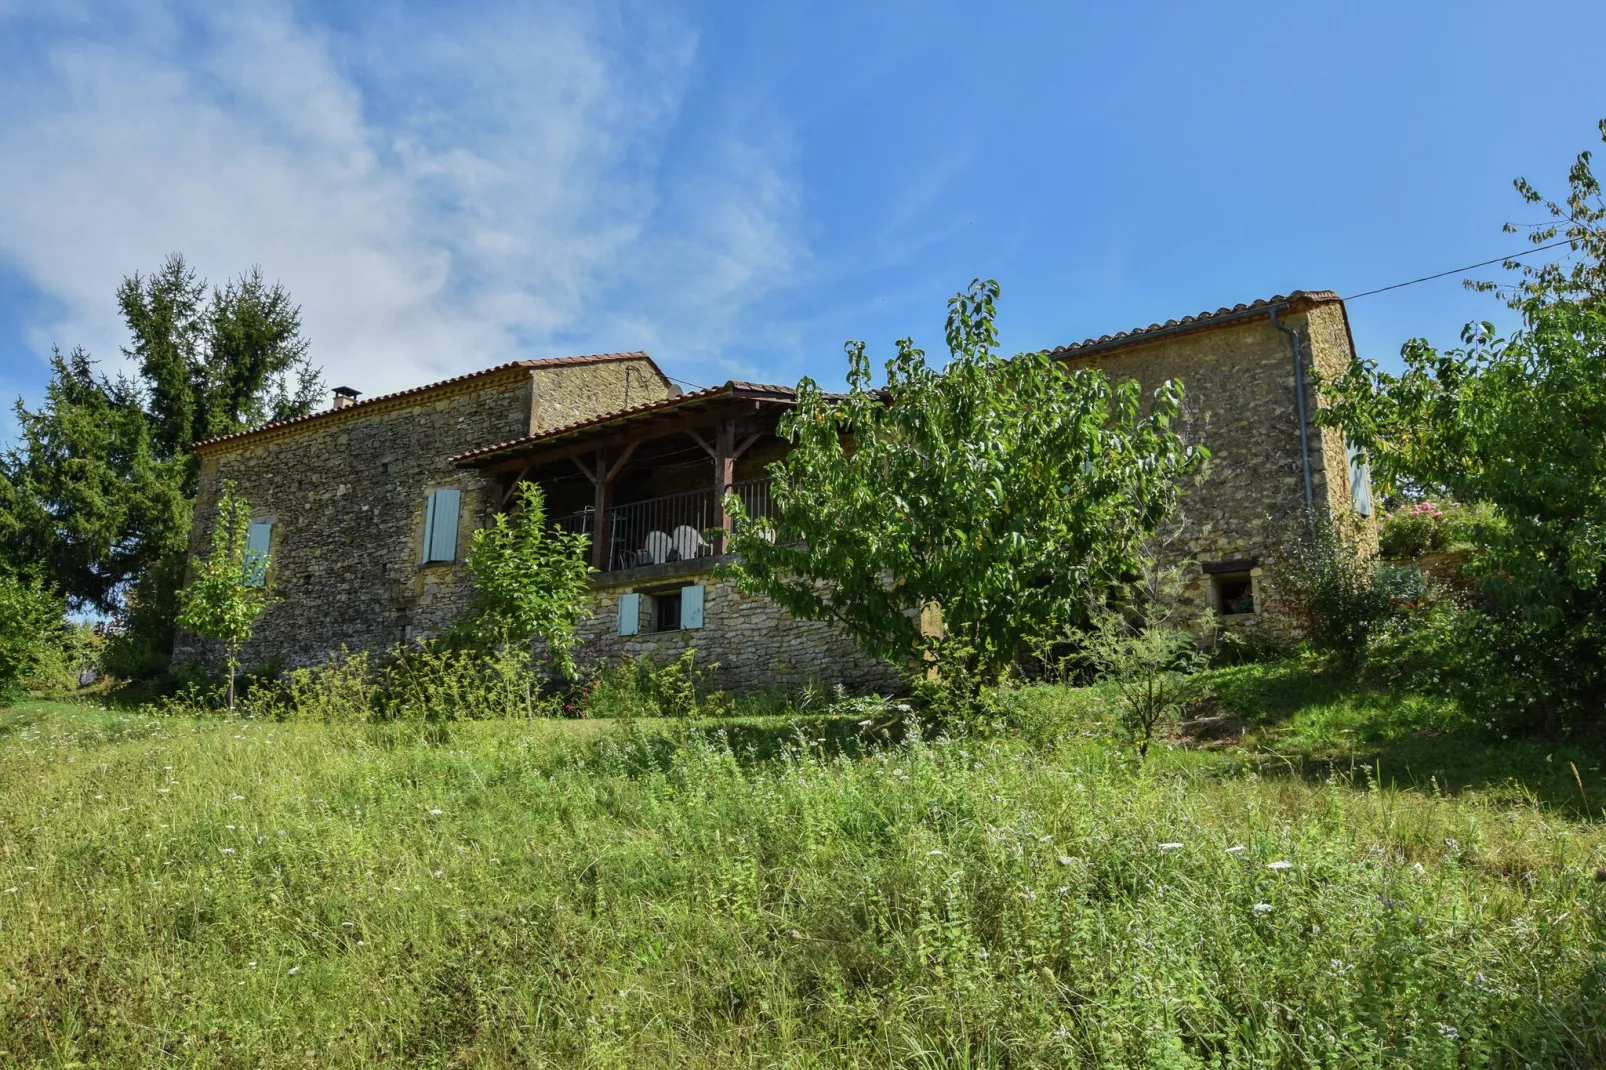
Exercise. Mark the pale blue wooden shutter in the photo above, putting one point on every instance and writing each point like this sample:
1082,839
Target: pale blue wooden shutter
440,525
258,545
1360,483
629,614
691,607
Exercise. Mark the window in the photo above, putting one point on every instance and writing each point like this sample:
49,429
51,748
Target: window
1235,593
258,547
676,610
440,525
1360,482
666,612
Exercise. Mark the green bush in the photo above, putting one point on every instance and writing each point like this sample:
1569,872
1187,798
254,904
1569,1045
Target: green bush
643,687
1494,663
33,632
1414,530
1400,583
1329,579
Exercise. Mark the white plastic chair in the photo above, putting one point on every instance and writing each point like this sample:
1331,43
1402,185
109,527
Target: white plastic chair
688,542
658,545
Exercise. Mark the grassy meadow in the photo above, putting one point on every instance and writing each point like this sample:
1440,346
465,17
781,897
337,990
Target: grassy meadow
1334,878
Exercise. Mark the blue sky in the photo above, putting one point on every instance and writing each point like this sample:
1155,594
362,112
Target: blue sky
738,188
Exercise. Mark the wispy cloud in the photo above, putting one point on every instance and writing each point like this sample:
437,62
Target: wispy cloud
439,191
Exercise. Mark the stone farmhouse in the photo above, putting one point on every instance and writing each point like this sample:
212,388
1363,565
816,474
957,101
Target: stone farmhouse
367,508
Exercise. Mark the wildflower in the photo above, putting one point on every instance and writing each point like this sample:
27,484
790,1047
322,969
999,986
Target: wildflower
1447,1030
295,969
1261,908
1279,865
866,723
1170,846
436,813
228,850
1237,849
251,964
439,873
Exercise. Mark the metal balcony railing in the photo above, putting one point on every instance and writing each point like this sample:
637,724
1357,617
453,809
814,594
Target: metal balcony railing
670,528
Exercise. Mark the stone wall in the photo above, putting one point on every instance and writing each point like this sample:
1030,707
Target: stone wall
755,643
347,493
1241,404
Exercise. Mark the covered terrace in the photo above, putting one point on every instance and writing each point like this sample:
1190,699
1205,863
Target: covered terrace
648,483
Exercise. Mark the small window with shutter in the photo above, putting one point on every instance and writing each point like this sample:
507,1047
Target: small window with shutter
258,549
440,525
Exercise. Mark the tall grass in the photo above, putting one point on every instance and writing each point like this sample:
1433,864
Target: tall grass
574,894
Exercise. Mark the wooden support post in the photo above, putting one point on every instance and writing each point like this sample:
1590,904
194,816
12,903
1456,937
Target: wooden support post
602,502
724,476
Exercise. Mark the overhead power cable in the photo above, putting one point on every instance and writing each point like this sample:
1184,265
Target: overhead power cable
1457,271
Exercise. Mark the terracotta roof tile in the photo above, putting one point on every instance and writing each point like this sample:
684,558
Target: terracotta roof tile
730,387
545,362
1198,322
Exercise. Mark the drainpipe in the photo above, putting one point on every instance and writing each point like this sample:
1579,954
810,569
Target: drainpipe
1299,398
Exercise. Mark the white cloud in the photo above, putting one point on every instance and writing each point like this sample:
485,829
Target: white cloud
438,192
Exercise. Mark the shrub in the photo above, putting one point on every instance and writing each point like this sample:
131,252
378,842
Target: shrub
1495,664
1413,530
32,630
1329,579
1400,583
529,583
1137,646
644,687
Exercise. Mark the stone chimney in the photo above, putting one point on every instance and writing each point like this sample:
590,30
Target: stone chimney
345,397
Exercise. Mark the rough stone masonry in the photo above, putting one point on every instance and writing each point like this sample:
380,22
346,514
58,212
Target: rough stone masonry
344,496
345,491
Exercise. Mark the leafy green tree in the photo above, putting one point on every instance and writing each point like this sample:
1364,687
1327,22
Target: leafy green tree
31,627
1518,424
529,580
1580,219
1005,493
230,587
99,487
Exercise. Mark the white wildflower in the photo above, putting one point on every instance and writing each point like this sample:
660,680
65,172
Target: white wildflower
1261,908
436,813
1448,1030
1170,846
295,969
1280,865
